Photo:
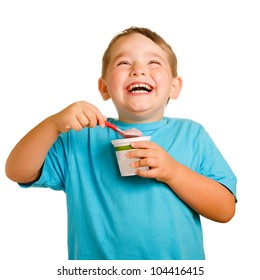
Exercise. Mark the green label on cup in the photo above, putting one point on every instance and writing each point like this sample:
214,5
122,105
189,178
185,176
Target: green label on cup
123,148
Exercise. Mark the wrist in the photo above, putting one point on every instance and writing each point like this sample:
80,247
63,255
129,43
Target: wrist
171,174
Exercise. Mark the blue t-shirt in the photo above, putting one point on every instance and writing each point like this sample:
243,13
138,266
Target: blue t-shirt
130,218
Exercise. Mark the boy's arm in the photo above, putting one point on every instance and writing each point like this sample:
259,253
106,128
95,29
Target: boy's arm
204,195
26,159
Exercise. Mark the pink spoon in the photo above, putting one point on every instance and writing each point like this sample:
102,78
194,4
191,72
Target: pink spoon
129,133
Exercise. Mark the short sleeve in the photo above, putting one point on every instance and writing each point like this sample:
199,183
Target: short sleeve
54,167
213,164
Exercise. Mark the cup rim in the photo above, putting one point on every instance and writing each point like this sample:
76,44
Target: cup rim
124,141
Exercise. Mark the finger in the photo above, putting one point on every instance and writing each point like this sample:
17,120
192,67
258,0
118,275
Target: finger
90,109
101,121
75,124
144,145
140,153
86,118
150,162
146,173
82,120
92,119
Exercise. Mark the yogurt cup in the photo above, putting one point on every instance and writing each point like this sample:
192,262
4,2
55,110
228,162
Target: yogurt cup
121,147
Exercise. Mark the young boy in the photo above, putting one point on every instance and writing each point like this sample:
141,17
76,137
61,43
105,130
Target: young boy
156,214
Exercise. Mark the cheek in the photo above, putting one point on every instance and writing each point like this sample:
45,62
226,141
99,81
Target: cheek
166,78
163,81
111,82
114,91
160,75
114,78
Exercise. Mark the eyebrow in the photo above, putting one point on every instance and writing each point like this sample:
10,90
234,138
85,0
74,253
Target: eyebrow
121,55
152,54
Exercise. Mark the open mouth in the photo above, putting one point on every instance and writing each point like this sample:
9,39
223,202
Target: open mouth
139,88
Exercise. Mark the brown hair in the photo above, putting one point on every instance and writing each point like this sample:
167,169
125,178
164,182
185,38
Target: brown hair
157,39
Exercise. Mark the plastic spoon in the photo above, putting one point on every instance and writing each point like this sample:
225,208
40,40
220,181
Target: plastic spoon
129,133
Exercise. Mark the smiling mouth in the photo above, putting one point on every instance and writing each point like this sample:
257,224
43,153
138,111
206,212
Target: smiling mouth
139,88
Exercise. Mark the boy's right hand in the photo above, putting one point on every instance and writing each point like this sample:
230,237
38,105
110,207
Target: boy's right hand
77,116
34,146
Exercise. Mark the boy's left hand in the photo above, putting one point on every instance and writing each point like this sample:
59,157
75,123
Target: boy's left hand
160,163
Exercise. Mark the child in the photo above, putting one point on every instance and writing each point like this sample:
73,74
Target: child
156,214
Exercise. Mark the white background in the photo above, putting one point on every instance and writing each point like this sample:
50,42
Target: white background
50,56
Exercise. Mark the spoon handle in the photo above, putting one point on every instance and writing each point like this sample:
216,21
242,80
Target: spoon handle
110,125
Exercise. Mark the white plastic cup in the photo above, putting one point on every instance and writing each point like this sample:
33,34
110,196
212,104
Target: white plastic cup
121,147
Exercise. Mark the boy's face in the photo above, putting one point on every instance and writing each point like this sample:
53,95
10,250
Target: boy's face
139,79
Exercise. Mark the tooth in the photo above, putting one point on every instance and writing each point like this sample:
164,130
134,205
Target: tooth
134,87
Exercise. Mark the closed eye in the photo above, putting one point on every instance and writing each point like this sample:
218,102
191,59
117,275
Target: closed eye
123,62
154,62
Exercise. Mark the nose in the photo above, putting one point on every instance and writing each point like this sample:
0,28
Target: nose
137,70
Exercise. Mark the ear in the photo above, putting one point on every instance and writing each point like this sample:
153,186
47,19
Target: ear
102,87
176,87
